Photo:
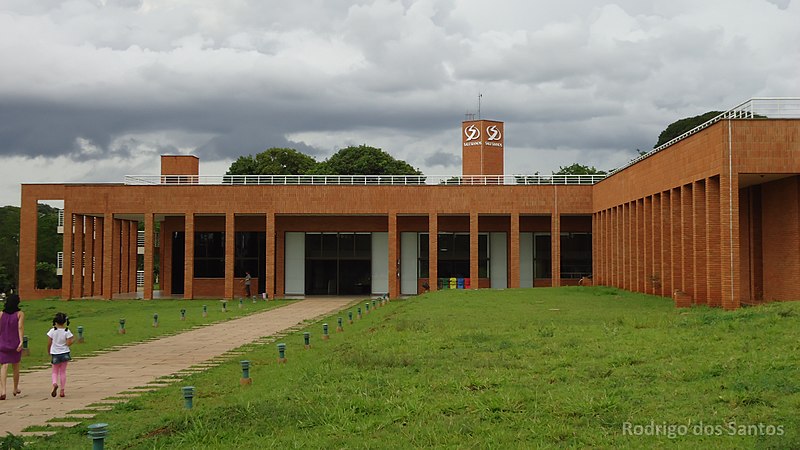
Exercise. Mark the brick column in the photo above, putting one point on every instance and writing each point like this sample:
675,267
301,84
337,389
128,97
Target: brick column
188,257
78,240
69,248
133,265
658,237
28,236
729,245
713,239
99,239
625,241
124,249
270,282
280,261
394,256
149,249
687,243
555,248
473,250
88,256
699,248
230,246
514,251
433,251
647,248
109,255
640,253
616,247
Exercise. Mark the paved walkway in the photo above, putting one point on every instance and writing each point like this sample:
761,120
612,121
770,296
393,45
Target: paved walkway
94,379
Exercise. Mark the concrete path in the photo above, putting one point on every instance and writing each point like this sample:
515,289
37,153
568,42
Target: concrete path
94,379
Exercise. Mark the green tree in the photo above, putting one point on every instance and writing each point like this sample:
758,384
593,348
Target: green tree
274,161
48,245
681,126
46,277
364,160
578,169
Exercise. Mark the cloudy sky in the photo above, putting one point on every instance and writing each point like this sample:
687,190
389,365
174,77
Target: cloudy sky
92,90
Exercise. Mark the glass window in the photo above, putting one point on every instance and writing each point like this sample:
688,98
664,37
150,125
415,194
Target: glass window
363,245
542,256
330,245
576,255
346,245
209,254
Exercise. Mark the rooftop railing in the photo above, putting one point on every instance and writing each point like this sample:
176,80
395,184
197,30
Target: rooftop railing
361,180
755,108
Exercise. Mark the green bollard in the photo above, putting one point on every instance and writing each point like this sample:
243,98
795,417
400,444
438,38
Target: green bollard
282,353
245,373
121,326
325,336
224,306
98,433
183,314
307,339
80,334
240,302
155,320
359,312
373,303
340,327
367,311
188,396
350,316
25,350
205,310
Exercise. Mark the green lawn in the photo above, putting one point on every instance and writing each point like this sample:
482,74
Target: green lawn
100,321
520,368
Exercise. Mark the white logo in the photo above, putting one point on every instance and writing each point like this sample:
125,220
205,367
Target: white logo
472,132
494,133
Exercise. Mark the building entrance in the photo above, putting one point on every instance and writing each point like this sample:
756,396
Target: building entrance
338,263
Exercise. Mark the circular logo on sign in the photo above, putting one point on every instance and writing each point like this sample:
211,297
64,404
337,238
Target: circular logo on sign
472,132
494,133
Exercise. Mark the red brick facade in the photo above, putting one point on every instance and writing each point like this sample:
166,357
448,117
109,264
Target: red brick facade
715,216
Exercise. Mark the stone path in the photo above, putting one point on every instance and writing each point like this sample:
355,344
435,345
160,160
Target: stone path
101,379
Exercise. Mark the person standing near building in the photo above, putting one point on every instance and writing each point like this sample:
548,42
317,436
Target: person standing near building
247,284
59,338
12,328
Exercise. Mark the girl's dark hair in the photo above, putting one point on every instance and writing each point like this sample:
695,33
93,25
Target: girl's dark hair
61,319
12,304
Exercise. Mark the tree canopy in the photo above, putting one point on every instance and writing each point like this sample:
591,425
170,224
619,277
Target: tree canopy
578,169
353,160
681,126
49,243
274,161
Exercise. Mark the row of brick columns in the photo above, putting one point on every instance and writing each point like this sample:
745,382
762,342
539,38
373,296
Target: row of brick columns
90,266
684,238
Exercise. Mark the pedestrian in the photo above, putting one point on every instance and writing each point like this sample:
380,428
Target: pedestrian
12,327
59,338
247,284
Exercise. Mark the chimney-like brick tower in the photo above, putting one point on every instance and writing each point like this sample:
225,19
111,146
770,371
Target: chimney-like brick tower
180,165
482,144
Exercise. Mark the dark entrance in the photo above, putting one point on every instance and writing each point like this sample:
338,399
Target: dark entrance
178,245
338,263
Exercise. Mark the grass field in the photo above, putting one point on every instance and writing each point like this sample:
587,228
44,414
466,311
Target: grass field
100,321
520,368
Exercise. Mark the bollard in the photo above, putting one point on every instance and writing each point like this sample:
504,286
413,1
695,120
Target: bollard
205,310
183,314
240,302
359,312
325,336
80,334
246,380
367,310
282,353
25,350
224,306
98,433
340,327
307,339
350,316
121,326
373,303
155,320
188,395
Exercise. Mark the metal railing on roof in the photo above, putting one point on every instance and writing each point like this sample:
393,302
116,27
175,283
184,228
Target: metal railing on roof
361,180
755,108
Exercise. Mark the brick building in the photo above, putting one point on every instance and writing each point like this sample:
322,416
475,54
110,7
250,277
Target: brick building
714,214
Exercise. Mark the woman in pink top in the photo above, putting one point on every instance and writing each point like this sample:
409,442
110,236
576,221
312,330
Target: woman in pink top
11,331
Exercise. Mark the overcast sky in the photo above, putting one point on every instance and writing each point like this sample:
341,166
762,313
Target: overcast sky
92,90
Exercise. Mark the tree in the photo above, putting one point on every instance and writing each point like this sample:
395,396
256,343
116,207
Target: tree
578,169
681,126
364,160
274,161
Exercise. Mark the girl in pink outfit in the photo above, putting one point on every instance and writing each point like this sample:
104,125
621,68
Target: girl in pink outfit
59,338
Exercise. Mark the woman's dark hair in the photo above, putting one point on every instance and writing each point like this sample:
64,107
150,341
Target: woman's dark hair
61,319
12,304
